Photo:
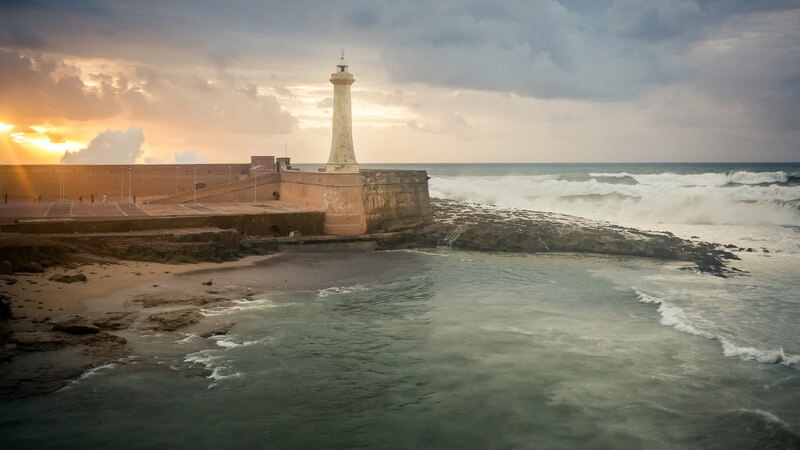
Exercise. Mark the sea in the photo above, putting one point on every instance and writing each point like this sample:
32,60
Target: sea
458,349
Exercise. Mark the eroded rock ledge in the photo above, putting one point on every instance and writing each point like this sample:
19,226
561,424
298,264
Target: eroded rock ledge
489,228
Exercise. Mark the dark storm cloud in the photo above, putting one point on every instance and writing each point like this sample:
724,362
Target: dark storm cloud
36,90
596,50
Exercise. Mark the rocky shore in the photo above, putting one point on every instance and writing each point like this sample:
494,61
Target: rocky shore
488,228
48,336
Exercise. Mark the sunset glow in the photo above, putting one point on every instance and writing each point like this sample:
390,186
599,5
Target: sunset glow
39,141
558,83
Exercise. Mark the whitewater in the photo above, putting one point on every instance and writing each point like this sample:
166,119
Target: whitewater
752,207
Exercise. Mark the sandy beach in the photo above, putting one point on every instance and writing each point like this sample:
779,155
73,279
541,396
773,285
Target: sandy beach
60,330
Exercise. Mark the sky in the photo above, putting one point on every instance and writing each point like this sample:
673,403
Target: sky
436,81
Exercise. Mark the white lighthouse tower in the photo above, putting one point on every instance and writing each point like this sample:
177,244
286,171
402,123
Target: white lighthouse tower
342,157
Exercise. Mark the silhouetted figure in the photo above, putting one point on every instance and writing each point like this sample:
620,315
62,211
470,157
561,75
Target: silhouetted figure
5,198
92,196
134,199
80,199
105,199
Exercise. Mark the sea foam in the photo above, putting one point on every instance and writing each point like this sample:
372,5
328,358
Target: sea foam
675,317
744,198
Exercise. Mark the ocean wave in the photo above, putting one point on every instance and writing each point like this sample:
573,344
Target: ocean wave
661,198
214,362
603,197
227,341
674,316
747,428
757,177
339,290
241,305
89,373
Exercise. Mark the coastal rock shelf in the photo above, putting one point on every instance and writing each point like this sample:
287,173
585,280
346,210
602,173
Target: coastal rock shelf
490,228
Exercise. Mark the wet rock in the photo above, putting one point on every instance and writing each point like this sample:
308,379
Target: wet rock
5,308
196,370
488,228
33,267
152,301
76,326
222,330
64,278
65,357
118,320
173,320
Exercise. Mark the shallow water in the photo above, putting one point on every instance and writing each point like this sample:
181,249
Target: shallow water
452,349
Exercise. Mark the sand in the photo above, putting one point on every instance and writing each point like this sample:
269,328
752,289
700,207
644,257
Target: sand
60,330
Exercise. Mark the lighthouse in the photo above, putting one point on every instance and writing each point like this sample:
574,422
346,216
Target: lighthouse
342,157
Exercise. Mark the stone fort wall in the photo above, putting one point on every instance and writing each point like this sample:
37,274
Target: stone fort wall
353,203
118,182
365,202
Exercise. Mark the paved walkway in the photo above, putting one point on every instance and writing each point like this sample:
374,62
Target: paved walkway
113,209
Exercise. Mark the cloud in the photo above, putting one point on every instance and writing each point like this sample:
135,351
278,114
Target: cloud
205,74
109,147
577,49
190,157
33,89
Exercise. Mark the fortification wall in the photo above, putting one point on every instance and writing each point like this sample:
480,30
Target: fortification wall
262,188
339,194
395,199
146,181
266,224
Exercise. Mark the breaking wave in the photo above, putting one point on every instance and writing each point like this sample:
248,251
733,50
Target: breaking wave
674,316
733,198
241,305
338,290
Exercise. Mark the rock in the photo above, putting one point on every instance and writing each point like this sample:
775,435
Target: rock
64,278
151,301
6,268
75,327
172,320
223,330
5,308
65,357
295,234
33,267
11,281
488,228
118,320
208,283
